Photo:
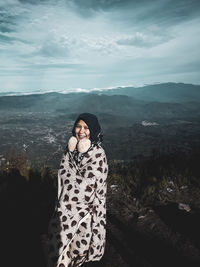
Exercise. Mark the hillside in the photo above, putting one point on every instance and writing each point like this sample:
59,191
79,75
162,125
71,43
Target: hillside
164,92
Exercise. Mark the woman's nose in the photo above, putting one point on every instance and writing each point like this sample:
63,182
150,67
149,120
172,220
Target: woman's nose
82,130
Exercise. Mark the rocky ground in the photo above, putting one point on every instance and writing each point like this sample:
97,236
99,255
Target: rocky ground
162,235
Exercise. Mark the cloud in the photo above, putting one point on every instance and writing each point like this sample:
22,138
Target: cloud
94,43
140,39
6,39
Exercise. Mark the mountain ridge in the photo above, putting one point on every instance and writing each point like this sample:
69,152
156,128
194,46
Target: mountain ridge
155,101
162,92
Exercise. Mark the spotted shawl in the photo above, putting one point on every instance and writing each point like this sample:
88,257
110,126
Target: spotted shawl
77,230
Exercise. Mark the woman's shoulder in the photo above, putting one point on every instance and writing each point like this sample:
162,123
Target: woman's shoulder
98,148
97,152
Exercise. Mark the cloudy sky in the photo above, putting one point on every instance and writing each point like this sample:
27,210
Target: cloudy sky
68,44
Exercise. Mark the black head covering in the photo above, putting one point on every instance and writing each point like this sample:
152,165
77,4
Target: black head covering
93,124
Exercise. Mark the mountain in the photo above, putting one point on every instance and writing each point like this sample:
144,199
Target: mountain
39,102
166,101
40,124
165,92
115,104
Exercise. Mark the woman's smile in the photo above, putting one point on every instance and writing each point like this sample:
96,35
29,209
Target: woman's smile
81,136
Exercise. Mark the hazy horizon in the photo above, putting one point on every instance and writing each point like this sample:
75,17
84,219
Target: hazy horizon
79,90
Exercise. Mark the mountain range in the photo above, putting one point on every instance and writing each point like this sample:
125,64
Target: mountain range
168,100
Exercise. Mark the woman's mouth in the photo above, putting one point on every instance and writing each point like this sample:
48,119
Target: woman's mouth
82,136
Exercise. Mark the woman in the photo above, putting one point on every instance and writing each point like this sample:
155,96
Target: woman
77,229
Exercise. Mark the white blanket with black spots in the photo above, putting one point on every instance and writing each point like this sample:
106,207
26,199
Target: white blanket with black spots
77,230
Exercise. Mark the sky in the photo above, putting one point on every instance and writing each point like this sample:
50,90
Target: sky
70,45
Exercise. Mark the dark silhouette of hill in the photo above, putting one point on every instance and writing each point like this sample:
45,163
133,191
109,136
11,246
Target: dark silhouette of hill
26,207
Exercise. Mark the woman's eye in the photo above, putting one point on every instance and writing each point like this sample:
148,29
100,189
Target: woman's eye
79,127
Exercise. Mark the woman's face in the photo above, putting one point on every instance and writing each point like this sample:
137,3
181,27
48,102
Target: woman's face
82,130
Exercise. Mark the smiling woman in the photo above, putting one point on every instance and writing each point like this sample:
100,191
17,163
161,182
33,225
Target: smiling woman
77,230
82,130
